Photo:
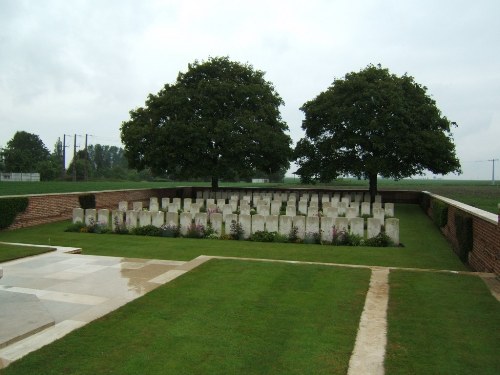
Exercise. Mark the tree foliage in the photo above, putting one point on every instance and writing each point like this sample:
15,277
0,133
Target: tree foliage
220,119
23,152
372,123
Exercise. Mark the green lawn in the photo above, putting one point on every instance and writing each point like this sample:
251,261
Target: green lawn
425,247
442,324
225,317
10,252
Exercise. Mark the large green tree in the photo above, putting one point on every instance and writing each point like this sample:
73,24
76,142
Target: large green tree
373,123
24,152
220,119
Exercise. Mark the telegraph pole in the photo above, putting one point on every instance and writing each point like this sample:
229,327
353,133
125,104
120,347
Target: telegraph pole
493,171
85,171
74,158
63,167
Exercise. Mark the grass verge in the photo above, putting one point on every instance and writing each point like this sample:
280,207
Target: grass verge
223,317
441,324
425,247
10,252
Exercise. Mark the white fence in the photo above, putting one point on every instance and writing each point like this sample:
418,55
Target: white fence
20,177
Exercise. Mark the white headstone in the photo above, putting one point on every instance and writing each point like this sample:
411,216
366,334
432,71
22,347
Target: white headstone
200,201
172,219
263,209
144,218
379,213
172,207
234,204
303,207
341,224
272,223
153,201
158,218
199,194
275,207
186,220
326,228
325,205
117,219
131,219
78,215
227,209
389,209
103,217
195,208
245,221
373,227
377,205
216,221
365,208
258,223
378,198
177,201
332,212
123,206
229,221
90,216
325,199
244,209
312,211
346,200
351,212
165,202
300,223
137,206
210,201
392,229
285,225
291,211
187,204
357,226
312,225
342,208
200,218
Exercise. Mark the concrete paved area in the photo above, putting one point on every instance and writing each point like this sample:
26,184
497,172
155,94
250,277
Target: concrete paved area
66,291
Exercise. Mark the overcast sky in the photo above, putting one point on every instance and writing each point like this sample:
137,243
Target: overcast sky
78,67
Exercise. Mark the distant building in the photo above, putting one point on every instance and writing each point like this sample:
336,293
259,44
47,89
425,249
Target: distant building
259,180
31,177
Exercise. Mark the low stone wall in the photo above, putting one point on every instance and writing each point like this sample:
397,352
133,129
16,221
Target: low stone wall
485,254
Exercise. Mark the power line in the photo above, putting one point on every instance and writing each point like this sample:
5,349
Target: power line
493,170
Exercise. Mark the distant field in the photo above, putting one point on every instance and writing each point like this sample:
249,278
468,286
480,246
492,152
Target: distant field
480,194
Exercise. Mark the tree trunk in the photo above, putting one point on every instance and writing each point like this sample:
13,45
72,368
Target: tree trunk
373,186
215,182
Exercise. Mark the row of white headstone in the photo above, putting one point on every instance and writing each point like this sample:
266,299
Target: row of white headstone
285,196
267,207
250,223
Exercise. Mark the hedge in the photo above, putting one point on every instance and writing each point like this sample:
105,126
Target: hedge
439,213
87,201
9,208
464,234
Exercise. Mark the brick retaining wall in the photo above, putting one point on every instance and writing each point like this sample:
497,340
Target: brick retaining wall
485,254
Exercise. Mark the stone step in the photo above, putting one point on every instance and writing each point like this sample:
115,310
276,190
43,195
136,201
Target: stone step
21,315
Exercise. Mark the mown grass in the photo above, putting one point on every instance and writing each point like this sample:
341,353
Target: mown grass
424,246
225,317
10,252
441,324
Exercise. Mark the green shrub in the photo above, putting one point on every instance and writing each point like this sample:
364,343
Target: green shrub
75,227
281,238
236,230
147,230
380,240
425,202
170,230
293,236
195,231
87,201
439,213
312,237
263,236
10,208
464,233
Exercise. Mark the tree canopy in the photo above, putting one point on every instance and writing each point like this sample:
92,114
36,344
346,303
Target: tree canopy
373,123
24,152
219,120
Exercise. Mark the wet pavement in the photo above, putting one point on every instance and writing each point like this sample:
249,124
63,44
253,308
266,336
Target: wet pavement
44,297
